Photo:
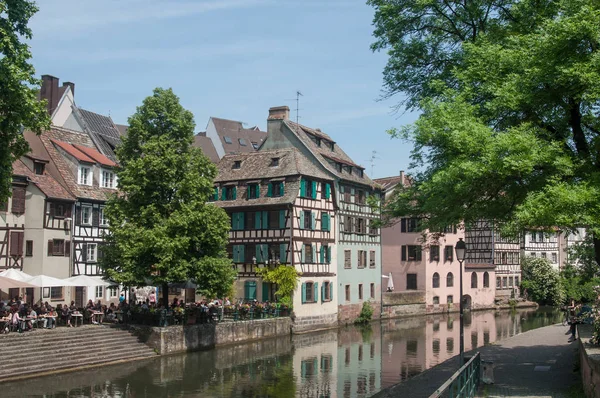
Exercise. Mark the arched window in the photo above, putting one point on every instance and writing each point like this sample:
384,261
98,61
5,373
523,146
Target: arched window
436,280
449,280
474,280
486,279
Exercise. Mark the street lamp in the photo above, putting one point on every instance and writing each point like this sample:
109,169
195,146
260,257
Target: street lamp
461,250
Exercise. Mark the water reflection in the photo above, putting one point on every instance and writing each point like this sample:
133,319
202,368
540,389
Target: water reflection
349,362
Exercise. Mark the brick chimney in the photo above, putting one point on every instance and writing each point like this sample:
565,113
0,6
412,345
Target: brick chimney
72,85
402,177
279,113
49,92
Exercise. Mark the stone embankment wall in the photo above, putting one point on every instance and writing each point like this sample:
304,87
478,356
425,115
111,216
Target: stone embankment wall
348,313
313,323
589,358
174,339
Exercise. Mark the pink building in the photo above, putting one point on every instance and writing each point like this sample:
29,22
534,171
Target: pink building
424,268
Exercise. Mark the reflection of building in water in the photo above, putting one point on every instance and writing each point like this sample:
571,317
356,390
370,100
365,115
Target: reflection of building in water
315,364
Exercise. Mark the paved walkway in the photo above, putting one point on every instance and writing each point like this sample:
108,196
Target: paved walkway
539,363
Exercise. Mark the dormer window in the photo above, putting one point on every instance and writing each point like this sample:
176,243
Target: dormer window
332,146
318,141
38,168
109,179
242,142
340,167
85,175
361,173
274,162
253,191
237,164
227,140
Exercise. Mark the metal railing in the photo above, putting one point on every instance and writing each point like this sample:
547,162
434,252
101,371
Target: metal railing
463,383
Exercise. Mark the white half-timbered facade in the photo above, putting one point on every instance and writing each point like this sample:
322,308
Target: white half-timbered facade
542,244
282,214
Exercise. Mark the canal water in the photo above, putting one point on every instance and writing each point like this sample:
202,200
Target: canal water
347,362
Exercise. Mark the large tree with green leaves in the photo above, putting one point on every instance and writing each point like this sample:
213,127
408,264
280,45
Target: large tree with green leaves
19,105
540,282
162,228
510,125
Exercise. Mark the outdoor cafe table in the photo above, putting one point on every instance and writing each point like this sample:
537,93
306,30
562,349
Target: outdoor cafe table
98,315
46,316
76,316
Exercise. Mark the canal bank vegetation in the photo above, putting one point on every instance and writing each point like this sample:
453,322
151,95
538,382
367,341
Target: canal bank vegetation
286,279
541,282
366,314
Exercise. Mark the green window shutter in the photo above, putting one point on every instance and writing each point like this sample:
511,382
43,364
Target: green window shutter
316,297
265,291
247,290
234,221
302,256
216,195
328,254
327,191
302,188
301,219
241,217
314,253
265,219
283,253
324,222
331,291
258,190
257,254
252,290
224,193
312,220
303,293
234,192
322,255
281,185
236,254
242,253
322,299
257,220
314,189
270,190
282,219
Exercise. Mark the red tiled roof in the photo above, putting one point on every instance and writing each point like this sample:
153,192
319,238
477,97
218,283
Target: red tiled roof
94,154
45,182
71,150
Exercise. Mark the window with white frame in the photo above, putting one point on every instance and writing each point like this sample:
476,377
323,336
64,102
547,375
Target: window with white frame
99,291
92,252
109,179
102,217
86,215
85,175
113,291
554,258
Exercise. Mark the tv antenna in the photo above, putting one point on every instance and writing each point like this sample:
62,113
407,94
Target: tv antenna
298,95
372,161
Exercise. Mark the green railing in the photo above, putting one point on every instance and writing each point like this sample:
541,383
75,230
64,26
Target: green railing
463,383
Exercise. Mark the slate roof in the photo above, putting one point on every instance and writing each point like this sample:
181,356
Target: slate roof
206,144
103,131
236,131
48,185
256,167
326,156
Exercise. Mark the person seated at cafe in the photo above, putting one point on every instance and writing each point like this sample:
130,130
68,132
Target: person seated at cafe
66,315
110,312
146,305
97,313
32,317
15,319
174,303
50,318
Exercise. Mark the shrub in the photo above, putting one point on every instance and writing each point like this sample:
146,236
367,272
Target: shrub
366,314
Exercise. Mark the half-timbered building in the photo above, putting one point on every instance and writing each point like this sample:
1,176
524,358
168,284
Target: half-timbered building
358,243
543,244
282,214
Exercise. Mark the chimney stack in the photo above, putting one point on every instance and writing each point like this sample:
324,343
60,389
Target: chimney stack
72,85
402,177
279,113
49,92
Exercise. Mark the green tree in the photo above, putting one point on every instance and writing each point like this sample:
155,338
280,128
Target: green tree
511,131
580,276
162,229
541,281
19,106
285,277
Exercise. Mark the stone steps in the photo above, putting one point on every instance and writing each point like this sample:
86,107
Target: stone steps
67,349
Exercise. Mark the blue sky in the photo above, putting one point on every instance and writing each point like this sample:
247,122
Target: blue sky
228,58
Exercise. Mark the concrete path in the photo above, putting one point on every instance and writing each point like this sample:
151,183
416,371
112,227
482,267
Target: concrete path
539,363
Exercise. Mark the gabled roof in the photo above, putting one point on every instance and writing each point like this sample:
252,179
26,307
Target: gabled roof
206,144
71,150
389,183
325,155
235,131
97,156
45,182
102,130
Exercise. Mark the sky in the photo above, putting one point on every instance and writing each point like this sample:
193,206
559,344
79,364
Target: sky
232,59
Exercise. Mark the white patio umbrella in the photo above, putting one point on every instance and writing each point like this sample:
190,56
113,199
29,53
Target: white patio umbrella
390,285
15,274
8,283
48,281
86,280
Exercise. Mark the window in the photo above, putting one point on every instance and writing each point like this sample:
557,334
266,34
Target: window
325,222
276,219
38,168
409,225
450,229
85,175
554,258
348,224
108,179
237,164
307,219
308,254
411,253
56,293
360,196
449,299
516,281
347,289
253,191
411,281
510,281
113,291
227,139
372,259
99,291
362,258
448,253
310,292
474,280
58,247
242,142
102,217
346,192
86,215
318,141
436,300
544,255
449,279
28,248
360,291
18,200
347,259
498,282
486,279
274,162
275,189
532,254
16,243
504,282
435,280
237,221
533,236
228,193
434,253
92,252
372,290
373,230
361,226
326,294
